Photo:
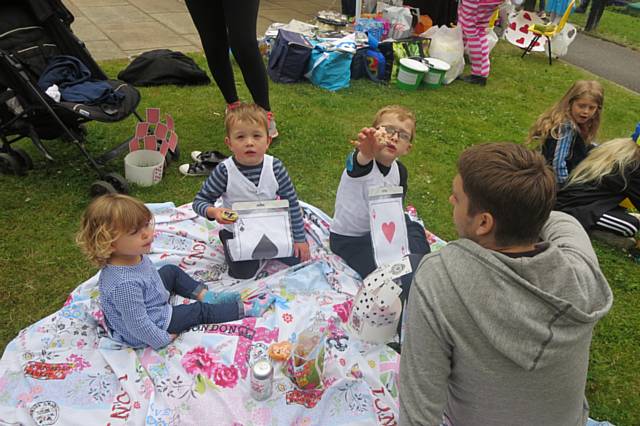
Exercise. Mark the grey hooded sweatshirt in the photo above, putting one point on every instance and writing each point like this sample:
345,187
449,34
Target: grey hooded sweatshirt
495,340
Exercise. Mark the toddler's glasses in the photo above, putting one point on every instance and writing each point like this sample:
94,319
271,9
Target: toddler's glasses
402,135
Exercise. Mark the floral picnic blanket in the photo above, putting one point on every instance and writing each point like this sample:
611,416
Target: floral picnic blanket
65,370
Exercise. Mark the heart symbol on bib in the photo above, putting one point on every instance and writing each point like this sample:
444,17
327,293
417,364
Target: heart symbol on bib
524,29
512,26
388,229
520,40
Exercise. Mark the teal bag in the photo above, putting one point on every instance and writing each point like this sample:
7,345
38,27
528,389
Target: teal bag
330,70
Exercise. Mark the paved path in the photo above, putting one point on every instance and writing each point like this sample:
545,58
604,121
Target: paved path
611,61
124,28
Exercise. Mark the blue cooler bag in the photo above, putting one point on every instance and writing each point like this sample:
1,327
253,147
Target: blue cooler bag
330,70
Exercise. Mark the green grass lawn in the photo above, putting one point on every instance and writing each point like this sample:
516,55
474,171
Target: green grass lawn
614,26
40,212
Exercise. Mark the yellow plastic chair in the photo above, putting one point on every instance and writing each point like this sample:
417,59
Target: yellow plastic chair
494,18
548,30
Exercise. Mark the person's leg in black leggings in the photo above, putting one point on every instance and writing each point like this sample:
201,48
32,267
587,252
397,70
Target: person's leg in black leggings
241,19
209,19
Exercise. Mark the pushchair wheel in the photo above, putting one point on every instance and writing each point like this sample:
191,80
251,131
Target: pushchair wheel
101,187
23,158
9,165
118,182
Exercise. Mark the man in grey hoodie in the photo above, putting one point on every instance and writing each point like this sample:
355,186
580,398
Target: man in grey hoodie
499,322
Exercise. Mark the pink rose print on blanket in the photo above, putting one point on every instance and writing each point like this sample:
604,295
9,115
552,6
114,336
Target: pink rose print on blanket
199,361
343,310
225,376
209,373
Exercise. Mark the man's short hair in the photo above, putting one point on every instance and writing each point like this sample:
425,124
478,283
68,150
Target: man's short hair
246,113
512,183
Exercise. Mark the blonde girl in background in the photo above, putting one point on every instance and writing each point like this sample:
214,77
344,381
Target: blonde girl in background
566,131
608,176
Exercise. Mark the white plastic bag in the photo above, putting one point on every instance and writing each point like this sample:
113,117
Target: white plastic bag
560,43
447,45
400,20
493,38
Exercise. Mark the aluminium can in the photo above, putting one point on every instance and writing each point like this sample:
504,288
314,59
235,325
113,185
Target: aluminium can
261,380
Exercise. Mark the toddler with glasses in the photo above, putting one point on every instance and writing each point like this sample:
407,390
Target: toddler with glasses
373,163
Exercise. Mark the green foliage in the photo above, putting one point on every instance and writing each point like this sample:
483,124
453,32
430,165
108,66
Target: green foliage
40,213
614,26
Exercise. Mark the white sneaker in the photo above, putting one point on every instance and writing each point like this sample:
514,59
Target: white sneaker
212,157
196,169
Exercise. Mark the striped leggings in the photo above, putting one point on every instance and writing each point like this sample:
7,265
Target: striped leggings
618,221
473,17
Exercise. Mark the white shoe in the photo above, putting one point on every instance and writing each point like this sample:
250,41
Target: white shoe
196,169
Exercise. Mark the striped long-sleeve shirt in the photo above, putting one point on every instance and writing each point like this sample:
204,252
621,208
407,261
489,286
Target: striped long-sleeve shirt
216,185
135,304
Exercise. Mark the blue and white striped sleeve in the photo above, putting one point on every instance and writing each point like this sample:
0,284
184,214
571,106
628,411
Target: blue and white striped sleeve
212,189
286,190
129,300
563,147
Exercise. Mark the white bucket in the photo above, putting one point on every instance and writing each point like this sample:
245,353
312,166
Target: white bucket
410,74
436,73
143,167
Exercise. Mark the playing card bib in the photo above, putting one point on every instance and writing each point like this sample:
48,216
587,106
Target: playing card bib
377,308
262,231
388,228
517,32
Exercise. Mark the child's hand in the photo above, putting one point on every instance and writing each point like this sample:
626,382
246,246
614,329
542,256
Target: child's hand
222,215
369,142
301,251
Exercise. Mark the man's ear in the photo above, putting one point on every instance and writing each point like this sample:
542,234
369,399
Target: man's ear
486,224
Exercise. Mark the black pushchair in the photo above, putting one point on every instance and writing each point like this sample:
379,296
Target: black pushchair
32,32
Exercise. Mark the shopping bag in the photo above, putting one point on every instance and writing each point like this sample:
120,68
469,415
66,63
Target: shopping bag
330,70
447,45
560,43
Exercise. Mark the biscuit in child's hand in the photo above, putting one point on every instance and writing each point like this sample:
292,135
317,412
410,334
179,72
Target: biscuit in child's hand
231,216
381,136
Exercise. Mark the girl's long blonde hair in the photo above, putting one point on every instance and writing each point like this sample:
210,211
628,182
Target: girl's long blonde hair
549,122
613,156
